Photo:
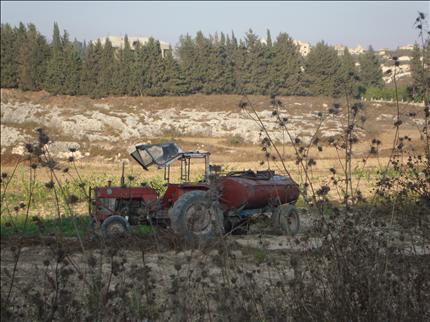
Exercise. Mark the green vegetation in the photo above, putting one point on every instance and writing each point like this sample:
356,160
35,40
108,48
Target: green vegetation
260,256
214,64
323,71
50,225
420,72
236,139
43,197
217,64
43,226
52,214
386,93
370,70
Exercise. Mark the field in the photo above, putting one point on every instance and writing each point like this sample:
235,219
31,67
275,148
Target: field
362,254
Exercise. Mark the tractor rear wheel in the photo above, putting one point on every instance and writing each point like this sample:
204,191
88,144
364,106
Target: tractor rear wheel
195,217
285,218
115,226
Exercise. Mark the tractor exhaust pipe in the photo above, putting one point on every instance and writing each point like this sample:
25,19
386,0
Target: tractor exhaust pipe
122,176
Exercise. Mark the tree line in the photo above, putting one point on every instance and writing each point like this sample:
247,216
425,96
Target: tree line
217,64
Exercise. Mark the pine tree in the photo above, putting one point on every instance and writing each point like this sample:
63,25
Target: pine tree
235,59
219,72
350,77
9,64
426,66
124,74
21,50
323,71
241,73
223,40
285,67
79,47
268,39
72,66
267,79
417,73
24,66
40,57
117,67
225,77
203,53
137,76
88,77
254,67
55,70
186,55
174,82
33,57
152,77
106,70
370,69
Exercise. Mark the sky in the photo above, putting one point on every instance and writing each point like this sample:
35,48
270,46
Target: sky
384,24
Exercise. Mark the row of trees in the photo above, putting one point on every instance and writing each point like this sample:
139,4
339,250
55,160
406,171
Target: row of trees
211,65
72,68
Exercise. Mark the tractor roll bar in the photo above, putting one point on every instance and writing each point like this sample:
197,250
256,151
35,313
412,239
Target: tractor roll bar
162,155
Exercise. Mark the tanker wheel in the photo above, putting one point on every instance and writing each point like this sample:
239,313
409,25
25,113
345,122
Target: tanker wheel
285,218
115,226
195,217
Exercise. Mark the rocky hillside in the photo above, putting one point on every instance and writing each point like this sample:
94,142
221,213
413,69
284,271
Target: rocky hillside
107,127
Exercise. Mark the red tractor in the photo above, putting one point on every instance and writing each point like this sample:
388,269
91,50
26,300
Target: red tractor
196,210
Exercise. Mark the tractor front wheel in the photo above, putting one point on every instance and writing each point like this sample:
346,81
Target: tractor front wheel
195,217
115,226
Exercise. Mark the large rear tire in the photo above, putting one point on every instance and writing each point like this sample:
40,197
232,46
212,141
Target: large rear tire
195,217
285,219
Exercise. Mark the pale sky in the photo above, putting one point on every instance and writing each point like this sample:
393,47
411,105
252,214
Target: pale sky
384,24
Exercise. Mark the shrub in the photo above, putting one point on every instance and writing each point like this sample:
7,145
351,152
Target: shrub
387,93
236,139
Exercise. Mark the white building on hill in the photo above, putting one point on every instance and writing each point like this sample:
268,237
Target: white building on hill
340,49
357,50
407,47
304,47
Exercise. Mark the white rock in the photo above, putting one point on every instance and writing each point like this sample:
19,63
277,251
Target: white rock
19,150
11,136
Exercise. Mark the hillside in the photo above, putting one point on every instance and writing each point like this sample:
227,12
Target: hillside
105,128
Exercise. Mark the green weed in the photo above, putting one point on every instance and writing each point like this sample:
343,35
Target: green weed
10,226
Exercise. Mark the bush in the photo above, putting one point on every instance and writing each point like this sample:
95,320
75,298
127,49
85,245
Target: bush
236,139
387,93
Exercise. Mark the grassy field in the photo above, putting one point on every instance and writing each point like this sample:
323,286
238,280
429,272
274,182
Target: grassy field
49,212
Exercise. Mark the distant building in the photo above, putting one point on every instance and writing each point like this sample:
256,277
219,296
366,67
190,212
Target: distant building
357,50
118,42
304,47
340,49
407,47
